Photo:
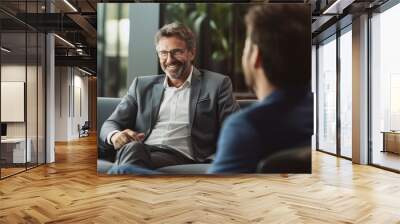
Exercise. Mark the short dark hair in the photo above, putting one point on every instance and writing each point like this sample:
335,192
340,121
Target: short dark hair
178,30
282,32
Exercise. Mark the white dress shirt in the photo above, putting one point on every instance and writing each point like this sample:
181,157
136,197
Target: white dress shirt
172,128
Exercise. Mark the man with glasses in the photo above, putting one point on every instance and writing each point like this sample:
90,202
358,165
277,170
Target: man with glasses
170,119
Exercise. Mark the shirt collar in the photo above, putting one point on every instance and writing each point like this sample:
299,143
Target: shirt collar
187,82
293,92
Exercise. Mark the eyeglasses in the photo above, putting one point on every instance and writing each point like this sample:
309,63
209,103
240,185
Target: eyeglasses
176,53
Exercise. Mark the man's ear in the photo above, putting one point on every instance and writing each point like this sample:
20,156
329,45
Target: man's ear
192,54
257,57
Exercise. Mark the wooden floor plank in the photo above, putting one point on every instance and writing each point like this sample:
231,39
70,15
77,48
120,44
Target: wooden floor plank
70,191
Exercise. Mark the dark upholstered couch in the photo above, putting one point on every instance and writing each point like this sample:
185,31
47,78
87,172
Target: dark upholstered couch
106,155
286,161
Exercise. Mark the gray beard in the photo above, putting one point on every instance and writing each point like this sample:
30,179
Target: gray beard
179,73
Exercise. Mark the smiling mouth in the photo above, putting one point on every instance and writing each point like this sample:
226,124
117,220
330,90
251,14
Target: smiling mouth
173,67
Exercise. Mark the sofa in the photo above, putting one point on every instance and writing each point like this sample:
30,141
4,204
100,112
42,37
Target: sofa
106,155
294,160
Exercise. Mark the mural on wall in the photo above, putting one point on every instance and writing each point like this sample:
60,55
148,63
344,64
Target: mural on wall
146,127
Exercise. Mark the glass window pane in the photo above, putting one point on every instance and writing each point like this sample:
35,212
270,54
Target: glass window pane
327,96
14,153
23,84
31,97
345,94
41,99
386,88
113,30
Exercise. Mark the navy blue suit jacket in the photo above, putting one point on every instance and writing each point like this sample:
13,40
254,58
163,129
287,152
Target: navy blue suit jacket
282,120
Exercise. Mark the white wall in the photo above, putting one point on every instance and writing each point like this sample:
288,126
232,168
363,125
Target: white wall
17,73
14,73
33,126
80,84
70,83
61,103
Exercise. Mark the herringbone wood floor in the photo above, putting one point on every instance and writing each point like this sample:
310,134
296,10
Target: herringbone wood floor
70,191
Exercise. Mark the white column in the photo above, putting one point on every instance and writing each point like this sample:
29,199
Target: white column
314,91
360,90
50,101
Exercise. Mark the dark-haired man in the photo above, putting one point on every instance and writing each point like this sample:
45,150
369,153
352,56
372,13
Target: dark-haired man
276,64
169,119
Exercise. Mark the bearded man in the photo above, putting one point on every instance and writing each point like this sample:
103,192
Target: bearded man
173,118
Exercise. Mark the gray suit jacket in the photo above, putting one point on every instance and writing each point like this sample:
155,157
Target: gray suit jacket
211,101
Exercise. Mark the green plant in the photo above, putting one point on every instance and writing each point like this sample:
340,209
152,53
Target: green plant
218,16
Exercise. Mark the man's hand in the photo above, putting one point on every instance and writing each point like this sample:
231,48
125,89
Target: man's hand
121,138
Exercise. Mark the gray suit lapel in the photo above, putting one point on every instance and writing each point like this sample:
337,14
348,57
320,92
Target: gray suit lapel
156,97
194,94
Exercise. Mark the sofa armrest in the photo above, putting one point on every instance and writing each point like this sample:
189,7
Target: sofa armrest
293,160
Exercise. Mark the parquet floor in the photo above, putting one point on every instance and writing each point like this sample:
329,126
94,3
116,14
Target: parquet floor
9,171
70,191
388,159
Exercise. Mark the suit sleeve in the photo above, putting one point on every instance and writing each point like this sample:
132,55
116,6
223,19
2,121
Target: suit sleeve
124,115
238,150
226,102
